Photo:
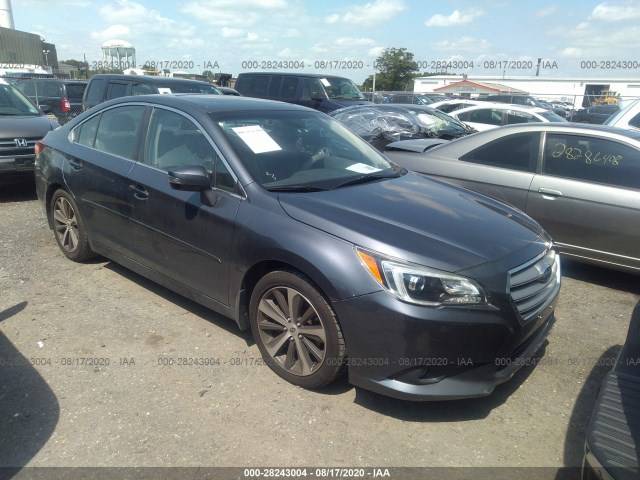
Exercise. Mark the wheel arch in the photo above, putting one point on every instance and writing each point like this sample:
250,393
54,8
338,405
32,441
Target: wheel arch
261,268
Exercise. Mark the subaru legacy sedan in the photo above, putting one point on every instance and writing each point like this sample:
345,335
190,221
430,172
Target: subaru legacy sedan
279,217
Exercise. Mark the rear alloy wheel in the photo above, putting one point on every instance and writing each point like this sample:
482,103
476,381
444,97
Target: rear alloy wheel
296,330
69,228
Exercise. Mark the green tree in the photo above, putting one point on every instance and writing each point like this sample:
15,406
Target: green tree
395,69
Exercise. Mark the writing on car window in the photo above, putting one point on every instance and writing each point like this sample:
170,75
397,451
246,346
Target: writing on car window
561,150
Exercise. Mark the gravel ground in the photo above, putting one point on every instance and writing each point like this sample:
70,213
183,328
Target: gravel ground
95,390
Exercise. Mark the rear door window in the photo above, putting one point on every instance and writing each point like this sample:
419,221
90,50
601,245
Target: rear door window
118,131
592,159
289,88
117,90
516,152
95,91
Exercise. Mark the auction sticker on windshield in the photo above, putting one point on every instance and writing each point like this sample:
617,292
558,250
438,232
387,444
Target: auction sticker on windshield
362,168
257,139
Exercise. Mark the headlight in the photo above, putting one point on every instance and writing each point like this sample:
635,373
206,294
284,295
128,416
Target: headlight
422,285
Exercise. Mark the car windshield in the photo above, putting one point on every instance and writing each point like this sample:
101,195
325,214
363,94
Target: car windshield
341,88
191,88
301,151
552,117
12,102
438,121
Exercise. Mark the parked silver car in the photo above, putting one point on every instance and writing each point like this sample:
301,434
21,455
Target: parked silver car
580,182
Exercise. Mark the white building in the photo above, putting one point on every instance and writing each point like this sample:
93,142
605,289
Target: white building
579,91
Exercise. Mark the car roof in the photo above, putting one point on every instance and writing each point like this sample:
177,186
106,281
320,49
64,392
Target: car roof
148,79
486,136
289,74
207,103
504,106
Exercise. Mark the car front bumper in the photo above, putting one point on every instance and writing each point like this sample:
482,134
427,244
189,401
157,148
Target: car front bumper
414,352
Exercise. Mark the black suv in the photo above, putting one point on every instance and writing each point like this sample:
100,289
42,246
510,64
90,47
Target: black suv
63,97
104,87
520,99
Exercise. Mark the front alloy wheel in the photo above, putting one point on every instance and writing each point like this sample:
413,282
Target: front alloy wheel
296,330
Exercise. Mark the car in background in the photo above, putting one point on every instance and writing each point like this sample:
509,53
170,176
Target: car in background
451,105
521,99
492,115
408,98
580,182
279,217
383,124
314,90
628,117
103,87
22,124
612,446
228,91
597,114
374,97
62,96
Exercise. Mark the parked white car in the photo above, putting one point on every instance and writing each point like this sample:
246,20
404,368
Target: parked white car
493,115
628,117
451,105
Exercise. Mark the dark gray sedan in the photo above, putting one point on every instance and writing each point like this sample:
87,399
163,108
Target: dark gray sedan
282,219
581,183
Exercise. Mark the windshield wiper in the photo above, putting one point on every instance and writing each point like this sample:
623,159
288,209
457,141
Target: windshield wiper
369,177
296,188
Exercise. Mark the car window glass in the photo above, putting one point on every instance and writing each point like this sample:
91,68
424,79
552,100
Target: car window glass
289,86
95,90
256,85
223,179
175,141
274,86
28,88
117,131
116,90
51,89
86,132
142,89
75,90
517,152
520,117
635,121
310,86
592,159
483,115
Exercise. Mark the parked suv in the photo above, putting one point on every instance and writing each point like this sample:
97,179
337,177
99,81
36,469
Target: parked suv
595,114
520,99
63,97
21,126
321,92
104,87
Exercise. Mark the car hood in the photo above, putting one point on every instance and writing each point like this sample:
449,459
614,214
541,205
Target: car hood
417,219
24,126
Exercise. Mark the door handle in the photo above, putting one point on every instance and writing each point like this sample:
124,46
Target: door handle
139,192
549,192
75,164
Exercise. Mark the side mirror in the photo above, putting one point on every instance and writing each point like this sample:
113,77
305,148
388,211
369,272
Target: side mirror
316,96
193,179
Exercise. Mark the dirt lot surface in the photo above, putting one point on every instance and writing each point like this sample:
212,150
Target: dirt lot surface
85,379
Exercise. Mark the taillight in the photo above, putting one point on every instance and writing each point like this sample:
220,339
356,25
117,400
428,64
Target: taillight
39,147
65,105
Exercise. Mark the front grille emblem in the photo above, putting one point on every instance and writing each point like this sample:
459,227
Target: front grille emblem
545,270
20,142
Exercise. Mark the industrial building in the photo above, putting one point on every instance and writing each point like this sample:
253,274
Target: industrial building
581,92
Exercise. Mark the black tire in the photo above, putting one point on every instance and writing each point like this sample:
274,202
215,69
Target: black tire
69,228
309,352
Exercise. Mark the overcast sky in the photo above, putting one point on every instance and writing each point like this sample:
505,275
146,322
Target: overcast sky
489,33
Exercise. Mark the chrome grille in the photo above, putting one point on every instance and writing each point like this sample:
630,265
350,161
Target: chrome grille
9,149
534,284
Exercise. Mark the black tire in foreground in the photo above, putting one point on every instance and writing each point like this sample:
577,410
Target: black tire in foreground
296,330
69,227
